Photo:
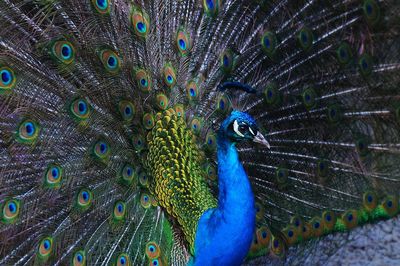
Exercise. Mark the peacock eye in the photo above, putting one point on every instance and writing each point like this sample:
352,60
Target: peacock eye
243,128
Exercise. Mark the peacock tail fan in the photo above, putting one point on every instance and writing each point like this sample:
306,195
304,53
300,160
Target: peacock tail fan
109,111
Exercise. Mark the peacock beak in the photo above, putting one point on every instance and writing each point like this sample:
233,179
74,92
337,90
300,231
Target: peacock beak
259,138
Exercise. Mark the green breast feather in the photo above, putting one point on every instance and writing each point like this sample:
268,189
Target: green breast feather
173,161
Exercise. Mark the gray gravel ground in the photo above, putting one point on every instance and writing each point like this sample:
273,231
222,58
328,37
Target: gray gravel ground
373,244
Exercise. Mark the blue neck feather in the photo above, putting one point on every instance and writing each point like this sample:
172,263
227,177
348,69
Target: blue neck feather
224,234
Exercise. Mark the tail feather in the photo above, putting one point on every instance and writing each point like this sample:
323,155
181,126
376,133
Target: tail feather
82,82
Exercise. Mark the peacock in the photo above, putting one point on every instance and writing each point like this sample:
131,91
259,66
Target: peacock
170,132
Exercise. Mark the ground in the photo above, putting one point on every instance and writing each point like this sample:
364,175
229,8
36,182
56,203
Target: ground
373,245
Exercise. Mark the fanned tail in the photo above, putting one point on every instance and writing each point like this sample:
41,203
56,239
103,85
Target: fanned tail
83,82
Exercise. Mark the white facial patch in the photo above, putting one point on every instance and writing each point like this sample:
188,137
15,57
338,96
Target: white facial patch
251,131
236,128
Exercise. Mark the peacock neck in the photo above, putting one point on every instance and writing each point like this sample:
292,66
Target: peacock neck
235,194
224,234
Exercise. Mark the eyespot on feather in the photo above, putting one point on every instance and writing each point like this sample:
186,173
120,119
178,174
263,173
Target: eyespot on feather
45,248
370,200
126,110
350,219
123,259
53,176
63,51
180,110
196,125
192,91
212,7
224,105
143,79
269,43
127,174
110,61
391,205
169,75
84,199
10,211
227,61
119,211
145,200
101,151
278,246
272,96
143,179
183,42
7,79
344,54
80,109
28,131
210,171
264,236
291,235
305,38
148,121
102,7
297,223
309,98
211,141
317,226
365,65
371,11
79,258
140,22
152,250
328,220
161,101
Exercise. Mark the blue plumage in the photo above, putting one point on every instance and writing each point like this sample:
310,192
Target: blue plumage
225,233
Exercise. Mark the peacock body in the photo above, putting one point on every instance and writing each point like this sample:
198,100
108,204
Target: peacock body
122,142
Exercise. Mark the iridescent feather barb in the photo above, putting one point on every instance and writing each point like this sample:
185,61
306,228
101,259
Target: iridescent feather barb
119,121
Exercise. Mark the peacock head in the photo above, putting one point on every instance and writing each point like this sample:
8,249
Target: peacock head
240,126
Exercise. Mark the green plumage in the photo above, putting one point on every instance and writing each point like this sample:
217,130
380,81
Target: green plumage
178,181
